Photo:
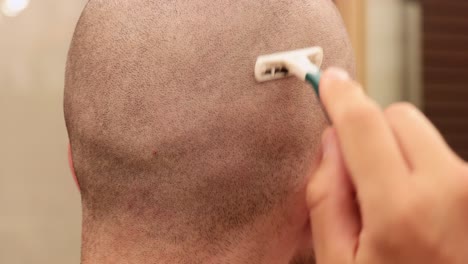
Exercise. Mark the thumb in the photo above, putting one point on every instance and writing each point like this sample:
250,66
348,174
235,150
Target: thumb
333,212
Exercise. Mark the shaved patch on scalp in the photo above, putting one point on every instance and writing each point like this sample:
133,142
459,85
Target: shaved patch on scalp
167,124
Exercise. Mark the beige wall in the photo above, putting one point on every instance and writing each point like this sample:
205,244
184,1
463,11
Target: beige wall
39,205
386,36
393,51
385,50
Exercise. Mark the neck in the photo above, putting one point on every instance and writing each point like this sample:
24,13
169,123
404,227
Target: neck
266,242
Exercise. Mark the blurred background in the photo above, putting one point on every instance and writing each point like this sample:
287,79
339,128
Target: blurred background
39,205
414,51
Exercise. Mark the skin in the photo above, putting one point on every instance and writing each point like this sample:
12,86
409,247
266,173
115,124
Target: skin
388,189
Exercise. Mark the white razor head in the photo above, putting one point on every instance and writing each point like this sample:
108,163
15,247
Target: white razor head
278,65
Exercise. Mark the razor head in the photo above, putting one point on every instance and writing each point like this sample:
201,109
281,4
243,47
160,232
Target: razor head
277,66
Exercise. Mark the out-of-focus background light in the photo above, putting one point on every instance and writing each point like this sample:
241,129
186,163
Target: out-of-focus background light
13,8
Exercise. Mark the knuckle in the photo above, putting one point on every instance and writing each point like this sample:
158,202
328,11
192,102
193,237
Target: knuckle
400,109
406,216
460,184
357,86
402,221
402,224
409,227
360,113
339,89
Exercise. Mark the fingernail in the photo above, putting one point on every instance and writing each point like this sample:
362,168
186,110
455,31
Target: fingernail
334,73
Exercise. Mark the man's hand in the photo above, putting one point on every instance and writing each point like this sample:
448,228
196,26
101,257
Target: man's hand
389,189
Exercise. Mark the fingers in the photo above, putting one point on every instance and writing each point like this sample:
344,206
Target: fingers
421,143
333,213
370,150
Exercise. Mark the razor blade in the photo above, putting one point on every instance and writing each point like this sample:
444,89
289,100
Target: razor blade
285,64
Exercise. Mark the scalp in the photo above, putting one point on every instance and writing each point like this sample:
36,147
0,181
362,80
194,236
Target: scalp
166,121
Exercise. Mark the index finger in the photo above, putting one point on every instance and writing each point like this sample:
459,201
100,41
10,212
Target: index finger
370,150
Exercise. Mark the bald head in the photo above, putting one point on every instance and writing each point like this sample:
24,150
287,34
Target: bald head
169,129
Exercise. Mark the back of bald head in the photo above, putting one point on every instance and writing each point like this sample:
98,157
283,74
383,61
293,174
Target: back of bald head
167,124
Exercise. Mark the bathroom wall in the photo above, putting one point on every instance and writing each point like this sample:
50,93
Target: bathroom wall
385,47
39,204
393,51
